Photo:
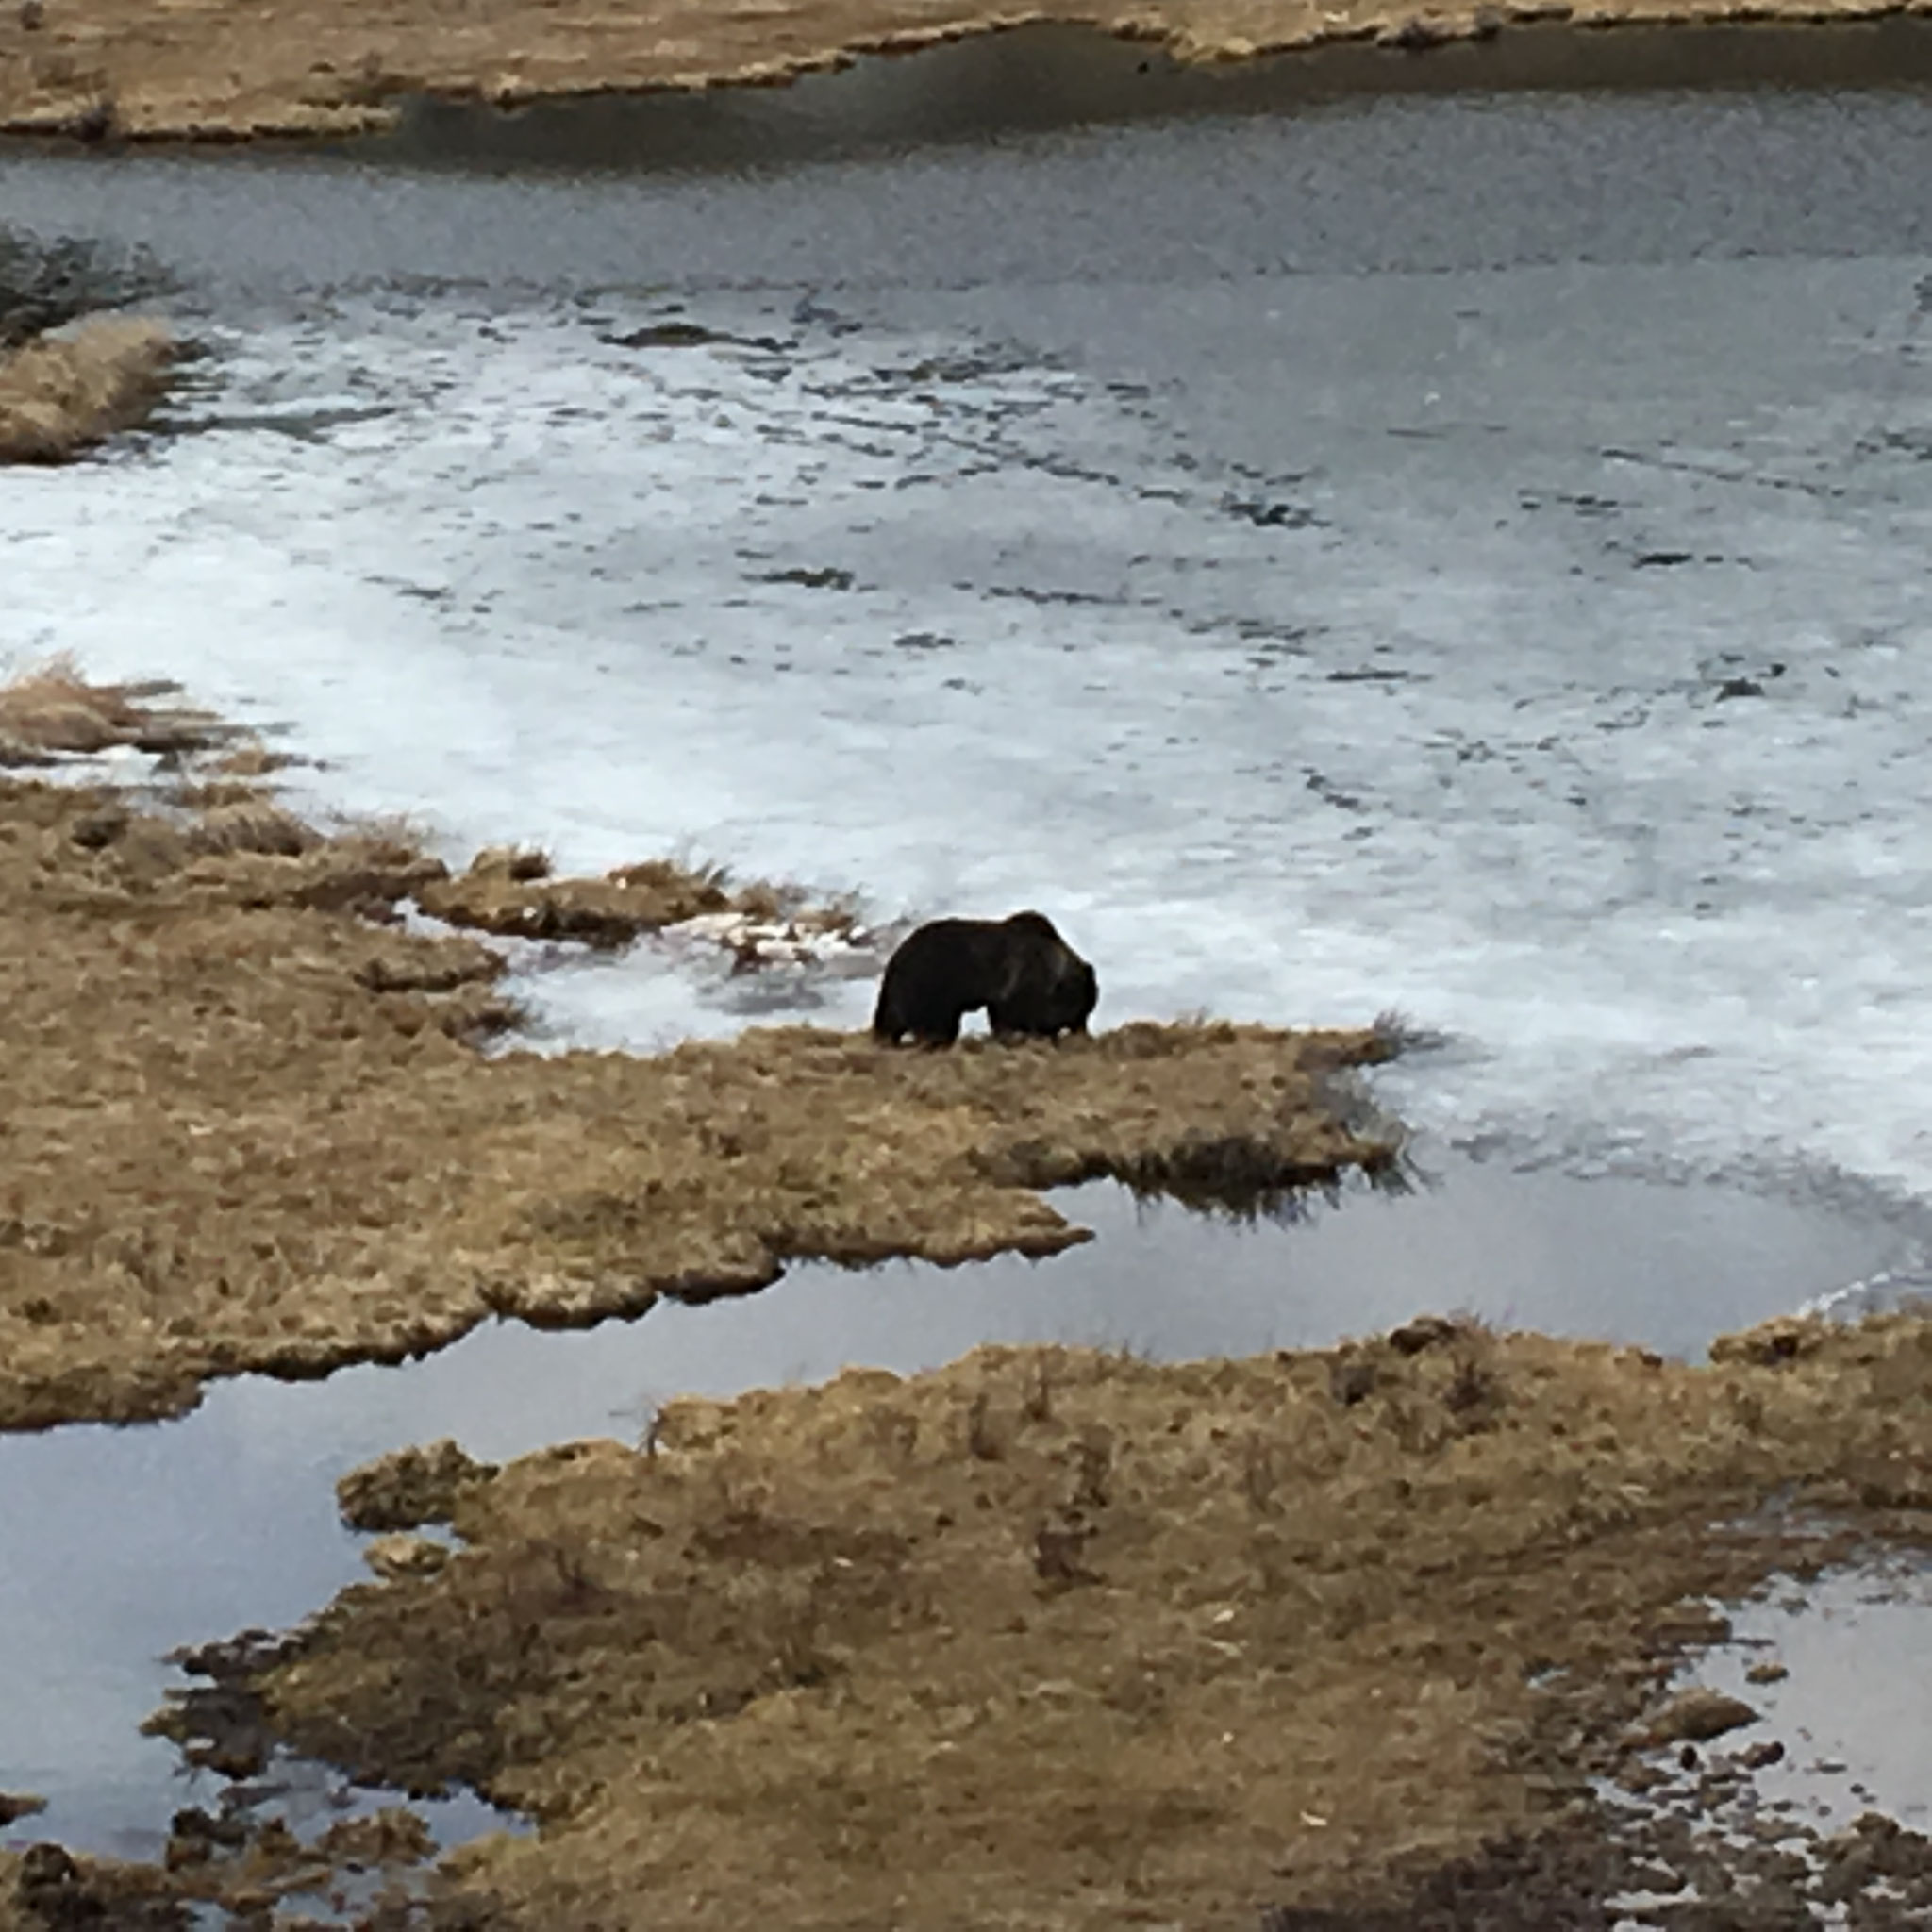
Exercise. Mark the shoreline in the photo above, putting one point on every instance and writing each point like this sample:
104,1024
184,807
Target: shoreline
1084,1601
1540,1462
252,1126
115,74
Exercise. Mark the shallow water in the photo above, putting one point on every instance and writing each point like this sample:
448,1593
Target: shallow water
1849,1727
1855,1714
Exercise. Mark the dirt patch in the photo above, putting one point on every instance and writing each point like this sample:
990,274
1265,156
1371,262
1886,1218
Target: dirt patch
248,1125
1060,1638
118,68
62,394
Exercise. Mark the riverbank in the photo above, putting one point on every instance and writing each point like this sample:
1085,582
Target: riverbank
251,1125
1360,1634
99,70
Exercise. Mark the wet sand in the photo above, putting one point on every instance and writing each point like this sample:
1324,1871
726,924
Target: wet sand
114,68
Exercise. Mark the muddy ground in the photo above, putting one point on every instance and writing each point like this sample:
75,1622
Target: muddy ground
1065,1639
100,68
249,1123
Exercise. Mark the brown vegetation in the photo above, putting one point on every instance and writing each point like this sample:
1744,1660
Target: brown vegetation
52,709
62,394
510,892
1060,1638
247,1126
100,68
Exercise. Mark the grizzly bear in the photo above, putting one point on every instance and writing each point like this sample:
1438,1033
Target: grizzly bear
1028,979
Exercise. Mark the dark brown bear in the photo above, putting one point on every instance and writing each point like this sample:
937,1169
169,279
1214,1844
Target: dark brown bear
1028,978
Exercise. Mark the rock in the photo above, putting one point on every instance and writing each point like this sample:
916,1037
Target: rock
667,335
1425,1331
1416,35
1784,1339
520,862
1697,1714
95,830
14,1806
410,1488
52,1889
394,1557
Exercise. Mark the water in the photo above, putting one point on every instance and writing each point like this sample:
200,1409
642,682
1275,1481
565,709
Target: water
1846,1727
1856,1712
1307,555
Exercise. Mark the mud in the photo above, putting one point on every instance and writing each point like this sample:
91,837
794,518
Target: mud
249,1126
96,70
1355,1637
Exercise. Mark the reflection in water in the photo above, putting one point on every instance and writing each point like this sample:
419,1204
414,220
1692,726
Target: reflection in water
1048,76
124,1543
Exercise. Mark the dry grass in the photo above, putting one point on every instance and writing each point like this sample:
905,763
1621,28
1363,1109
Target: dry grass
248,1128
61,395
202,68
510,890
1172,1644
51,708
